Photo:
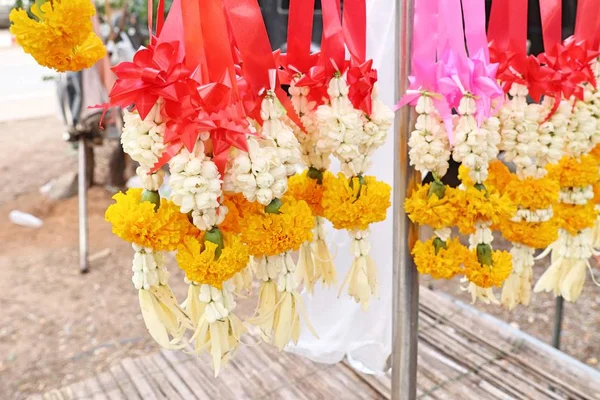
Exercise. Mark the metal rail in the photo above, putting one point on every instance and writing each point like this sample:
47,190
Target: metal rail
82,197
405,276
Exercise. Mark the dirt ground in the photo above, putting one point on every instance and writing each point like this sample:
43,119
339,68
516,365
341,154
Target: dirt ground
58,326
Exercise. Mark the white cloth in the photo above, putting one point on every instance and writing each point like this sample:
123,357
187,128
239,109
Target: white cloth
344,329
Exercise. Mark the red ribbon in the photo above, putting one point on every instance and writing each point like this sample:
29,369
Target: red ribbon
332,42
251,37
551,12
507,34
586,23
300,24
151,75
361,75
355,29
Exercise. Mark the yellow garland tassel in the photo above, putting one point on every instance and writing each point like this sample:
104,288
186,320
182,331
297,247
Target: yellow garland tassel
272,234
362,277
209,263
139,217
315,261
531,227
353,204
480,209
577,216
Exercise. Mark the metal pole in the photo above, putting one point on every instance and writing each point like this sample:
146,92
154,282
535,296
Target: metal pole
82,197
405,277
558,317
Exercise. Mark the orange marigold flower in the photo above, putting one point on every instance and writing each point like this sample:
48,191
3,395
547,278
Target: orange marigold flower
303,187
499,176
269,234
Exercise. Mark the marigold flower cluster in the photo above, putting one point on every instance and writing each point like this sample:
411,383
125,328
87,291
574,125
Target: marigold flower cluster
487,276
350,204
481,205
575,172
444,263
136,221
425,209
269,234
533,194
198,259
303,187
536,235
61,37
575,218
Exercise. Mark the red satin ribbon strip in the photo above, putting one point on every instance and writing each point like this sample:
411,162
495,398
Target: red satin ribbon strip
218,53
586,23
332,43
498,28
517,23
551,13
354,24
251,36
300,24
160,16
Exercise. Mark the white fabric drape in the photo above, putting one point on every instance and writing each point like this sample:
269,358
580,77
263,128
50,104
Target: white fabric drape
344,329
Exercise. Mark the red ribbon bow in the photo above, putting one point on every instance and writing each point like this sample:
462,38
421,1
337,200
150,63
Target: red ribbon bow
361,79
151,75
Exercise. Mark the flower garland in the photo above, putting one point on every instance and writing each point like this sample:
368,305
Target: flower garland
153,225
532,225
351,200
576,174
481,207
315,260
434,204
276,229
61,35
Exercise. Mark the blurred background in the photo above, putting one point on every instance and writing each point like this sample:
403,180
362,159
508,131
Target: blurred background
59,326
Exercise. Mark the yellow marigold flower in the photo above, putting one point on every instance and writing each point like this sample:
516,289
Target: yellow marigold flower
196,258
269,234
575,172
137,222
499,176
349,205
486,276
447,263
533,194
303,187
463,175
438,213
61,36
475,206
537,235
574,218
